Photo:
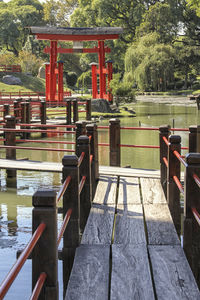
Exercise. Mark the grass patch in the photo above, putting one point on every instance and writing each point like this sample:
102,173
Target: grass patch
29,84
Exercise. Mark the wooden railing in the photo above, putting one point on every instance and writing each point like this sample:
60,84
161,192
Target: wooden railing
76,192
170,168
10,68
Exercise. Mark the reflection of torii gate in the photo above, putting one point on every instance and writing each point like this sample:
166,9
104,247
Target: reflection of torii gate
54,70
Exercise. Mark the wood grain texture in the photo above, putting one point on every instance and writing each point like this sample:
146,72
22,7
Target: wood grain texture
98,229
172,275
152,192
106,190
131,277
129,192
160,228
89,278
129,226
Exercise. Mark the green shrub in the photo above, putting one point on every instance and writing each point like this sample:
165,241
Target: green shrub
121,88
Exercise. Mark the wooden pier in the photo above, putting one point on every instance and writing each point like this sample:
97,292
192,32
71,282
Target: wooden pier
129,248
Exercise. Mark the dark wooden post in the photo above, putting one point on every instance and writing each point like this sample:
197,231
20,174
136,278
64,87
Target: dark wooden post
92,131
43,116
75,110
68,112
164,132
193,138
16,105
114,127
28,117
83,145
45,253
191,232
80,129
6,109
71,199
23,118
88,109
173,193
10,140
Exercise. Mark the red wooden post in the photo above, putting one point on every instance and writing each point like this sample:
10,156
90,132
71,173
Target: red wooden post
47,82
110,70
192,138
71,199
83,145
164,132
94,80
173,193
60,81
53,60
114,130
191,232
45,253
102,83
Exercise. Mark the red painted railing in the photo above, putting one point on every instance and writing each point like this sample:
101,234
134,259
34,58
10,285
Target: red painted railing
10,68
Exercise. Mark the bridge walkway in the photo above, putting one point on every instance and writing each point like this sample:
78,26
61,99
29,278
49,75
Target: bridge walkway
130,248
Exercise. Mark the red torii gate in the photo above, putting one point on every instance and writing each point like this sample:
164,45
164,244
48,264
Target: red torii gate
54,70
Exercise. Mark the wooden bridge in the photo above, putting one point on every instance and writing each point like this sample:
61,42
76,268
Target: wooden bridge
129,248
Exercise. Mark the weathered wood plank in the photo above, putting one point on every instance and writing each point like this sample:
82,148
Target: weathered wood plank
98,229
129,226
106,190
89,278
172,275
152,192
129,172
129,192
131,277
160,227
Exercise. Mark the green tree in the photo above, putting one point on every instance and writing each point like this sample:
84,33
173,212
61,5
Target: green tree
149,63
15,16
194,4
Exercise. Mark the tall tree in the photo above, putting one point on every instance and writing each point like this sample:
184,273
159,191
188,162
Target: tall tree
15,16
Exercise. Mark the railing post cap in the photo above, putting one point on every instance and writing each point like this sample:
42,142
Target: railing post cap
114,121
10,118
164,128
91,126
83,139
80,123
193,128
192,158
174,139
44,197
70,160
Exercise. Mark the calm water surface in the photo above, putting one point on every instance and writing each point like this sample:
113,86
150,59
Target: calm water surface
16,203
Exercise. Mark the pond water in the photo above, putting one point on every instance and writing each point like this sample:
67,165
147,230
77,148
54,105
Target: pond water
16,203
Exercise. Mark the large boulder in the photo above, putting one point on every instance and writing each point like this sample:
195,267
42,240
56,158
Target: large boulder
101,105
12,80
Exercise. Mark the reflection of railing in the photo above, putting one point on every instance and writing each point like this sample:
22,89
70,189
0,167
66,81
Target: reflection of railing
76,191
170,166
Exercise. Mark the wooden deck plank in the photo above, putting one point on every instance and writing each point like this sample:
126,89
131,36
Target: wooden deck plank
130,277
173,277
160,227
99,227
106,190
152,192
89,278
129,226
129,192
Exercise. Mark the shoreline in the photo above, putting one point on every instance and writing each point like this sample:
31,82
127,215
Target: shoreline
174,100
